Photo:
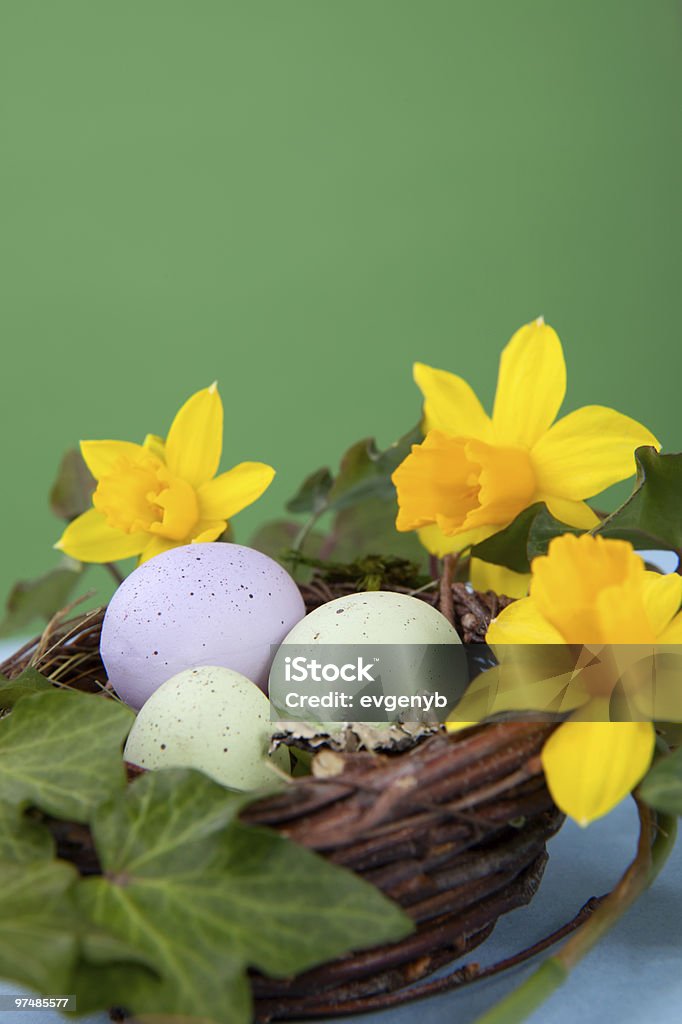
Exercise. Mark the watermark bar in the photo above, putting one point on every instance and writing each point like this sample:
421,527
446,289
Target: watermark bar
63,1004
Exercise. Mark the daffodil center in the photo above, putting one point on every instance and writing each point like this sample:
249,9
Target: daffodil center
461,483
488,485
593,591
142,496
506,483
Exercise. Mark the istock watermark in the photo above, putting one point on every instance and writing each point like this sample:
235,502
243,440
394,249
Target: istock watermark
301,670
471,682
366,682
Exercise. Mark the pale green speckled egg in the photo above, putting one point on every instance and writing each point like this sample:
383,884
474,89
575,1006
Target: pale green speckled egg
212,719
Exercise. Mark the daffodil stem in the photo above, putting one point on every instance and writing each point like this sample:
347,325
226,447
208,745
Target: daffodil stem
302,535
114,571
447,605
656,840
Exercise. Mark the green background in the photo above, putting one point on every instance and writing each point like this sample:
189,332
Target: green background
301,198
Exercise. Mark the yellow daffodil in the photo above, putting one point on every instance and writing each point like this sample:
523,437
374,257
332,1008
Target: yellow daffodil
473,474
487,576
591,591
158,495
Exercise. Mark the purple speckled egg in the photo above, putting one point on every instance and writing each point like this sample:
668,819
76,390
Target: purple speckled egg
201,604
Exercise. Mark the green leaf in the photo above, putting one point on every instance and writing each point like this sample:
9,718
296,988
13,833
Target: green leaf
543,529
61,750
25,685
651,515
72,490
38,939
662,787
107,970
361,473
368,527
203,897
509,546
312,494
40,598
22,840
365,528
278,538
365,470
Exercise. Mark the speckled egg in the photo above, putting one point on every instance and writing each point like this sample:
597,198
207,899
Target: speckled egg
212,719
323,652
200,604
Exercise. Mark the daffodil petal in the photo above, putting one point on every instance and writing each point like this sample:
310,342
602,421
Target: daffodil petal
195,439
522,623
591,766
157,546
662,599
450,404
89,538
587,451
573,513
230,492
530,386
672,634
486,576
156,445
103,457
440,544
209,531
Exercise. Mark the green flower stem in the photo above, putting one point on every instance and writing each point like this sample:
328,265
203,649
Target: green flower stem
115,572
649,859
306,529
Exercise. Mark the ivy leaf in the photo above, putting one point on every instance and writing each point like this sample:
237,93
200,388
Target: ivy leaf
662,787
61,750
108,967
366,471
25,685
72,490
368,527
509,547
203,897
361,473
38,937
543,529
278,537
651,515
359,530
40,598
22,840
312,494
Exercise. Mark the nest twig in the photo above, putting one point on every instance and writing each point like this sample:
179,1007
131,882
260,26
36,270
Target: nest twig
454,831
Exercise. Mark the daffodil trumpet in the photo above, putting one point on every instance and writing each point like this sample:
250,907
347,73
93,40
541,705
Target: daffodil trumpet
157,495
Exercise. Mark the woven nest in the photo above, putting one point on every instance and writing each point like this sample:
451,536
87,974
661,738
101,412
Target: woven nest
454,829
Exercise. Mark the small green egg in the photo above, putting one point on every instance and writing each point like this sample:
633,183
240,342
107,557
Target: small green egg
212,719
